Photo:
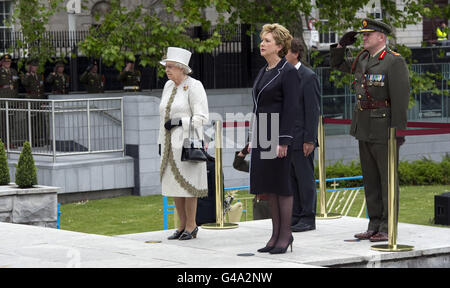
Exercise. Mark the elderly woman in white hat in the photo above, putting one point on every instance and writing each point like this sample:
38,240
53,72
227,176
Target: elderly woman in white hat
183,105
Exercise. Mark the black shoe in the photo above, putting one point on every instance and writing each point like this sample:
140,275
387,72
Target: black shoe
301,227
282,250
266,249
188,236
294,221
175,235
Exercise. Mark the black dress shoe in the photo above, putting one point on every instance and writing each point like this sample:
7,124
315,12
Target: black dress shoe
266,249
188,236
175,235
301,227
282,250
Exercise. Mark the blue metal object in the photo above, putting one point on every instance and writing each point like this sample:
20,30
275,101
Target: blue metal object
58,214
166,213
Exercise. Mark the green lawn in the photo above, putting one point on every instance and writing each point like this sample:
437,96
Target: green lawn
132,214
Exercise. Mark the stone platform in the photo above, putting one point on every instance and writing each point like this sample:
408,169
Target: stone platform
327,246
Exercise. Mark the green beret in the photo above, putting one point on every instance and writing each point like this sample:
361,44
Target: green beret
370,25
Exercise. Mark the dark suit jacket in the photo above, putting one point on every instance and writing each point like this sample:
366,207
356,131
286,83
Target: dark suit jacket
307,118
278,96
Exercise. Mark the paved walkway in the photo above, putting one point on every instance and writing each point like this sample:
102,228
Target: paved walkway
29,246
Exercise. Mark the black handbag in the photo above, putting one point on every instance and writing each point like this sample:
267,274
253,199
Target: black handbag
193,149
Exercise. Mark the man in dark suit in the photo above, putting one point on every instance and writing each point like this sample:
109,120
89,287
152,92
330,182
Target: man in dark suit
305,141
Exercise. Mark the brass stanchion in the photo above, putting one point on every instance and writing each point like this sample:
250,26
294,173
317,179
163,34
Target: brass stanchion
322,176
392,245
219,185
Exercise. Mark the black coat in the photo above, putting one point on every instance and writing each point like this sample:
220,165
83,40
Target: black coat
307,118
277,98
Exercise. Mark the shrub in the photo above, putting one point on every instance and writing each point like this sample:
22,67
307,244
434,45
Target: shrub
4,169
26,175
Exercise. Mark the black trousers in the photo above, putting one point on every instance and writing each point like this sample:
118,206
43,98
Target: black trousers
374,165
304,187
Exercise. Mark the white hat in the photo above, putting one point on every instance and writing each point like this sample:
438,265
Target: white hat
178,55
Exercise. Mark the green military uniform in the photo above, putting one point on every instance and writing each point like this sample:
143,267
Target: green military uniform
381,85
130,79
8,89
34,83
93,81
60,82
8,80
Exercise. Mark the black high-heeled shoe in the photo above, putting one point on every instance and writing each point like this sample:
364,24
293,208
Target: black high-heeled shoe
176,235
282,250
265,249
188,236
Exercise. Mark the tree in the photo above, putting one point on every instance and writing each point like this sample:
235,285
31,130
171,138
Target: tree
4,169
26,175
127,32
33,16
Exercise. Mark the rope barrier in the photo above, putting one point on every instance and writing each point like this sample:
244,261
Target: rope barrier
435,127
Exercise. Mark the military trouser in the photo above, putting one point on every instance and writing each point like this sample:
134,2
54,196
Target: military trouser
374,165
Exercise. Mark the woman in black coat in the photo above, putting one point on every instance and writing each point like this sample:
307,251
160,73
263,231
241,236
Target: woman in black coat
274,97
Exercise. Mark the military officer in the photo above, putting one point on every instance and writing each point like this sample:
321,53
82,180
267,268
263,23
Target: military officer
130,77
92,80
8,78
33,81
8,89
381,84
59,80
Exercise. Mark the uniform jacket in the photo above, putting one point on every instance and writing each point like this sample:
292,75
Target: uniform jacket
34,85
92,82
60,83
189,102
130,78
307,117
383,77
8,83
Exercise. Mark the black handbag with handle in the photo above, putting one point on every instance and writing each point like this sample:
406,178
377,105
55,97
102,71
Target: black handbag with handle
193,149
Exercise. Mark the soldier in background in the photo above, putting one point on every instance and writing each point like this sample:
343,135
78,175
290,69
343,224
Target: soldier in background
34,86
59,80
130,77
8,89
8,78
33,81
93,81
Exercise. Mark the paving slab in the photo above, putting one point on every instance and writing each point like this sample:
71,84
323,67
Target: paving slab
31,246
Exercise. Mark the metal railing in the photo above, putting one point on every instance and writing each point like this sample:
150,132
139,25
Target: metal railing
63,127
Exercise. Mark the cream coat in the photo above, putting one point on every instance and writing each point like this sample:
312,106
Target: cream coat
182,178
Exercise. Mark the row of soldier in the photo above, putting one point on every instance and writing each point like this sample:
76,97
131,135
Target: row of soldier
33,82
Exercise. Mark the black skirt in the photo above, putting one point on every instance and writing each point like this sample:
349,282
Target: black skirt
270,176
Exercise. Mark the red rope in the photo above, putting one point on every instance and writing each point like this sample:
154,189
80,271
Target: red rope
437,128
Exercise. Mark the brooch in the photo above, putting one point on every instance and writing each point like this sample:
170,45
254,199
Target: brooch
185,87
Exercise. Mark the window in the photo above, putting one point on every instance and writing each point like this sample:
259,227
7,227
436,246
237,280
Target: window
327,36
5,32
376,13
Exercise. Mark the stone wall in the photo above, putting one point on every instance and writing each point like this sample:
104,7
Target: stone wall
32,206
